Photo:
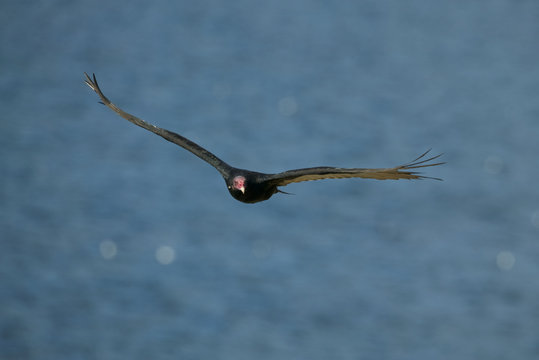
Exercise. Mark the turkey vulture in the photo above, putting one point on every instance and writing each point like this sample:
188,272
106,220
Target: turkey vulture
251,187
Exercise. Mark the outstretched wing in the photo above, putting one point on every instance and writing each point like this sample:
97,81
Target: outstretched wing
405,171
177,139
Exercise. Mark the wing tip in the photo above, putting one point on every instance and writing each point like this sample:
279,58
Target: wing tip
420,162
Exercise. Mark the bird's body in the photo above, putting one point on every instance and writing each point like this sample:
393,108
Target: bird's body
250,186
254,184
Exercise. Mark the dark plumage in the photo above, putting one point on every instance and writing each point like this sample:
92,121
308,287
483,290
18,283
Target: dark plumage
251,187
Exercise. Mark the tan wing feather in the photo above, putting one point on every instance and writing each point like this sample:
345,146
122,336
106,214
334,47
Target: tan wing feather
395,173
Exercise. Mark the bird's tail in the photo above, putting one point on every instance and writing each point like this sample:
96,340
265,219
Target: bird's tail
284,192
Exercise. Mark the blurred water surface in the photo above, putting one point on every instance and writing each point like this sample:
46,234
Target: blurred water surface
118,245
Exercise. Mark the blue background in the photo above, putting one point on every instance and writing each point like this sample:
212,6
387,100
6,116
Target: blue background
118,245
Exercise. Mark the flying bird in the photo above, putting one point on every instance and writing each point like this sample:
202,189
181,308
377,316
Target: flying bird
252,187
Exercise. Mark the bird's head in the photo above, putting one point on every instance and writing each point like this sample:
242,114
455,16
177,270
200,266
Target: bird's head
238,184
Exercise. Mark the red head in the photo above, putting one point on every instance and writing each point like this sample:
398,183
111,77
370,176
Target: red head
238,183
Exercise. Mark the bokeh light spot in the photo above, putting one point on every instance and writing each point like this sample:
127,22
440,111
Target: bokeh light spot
505,260
288,106
108,249
165,255
261,249
221,91
493,165
535,218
